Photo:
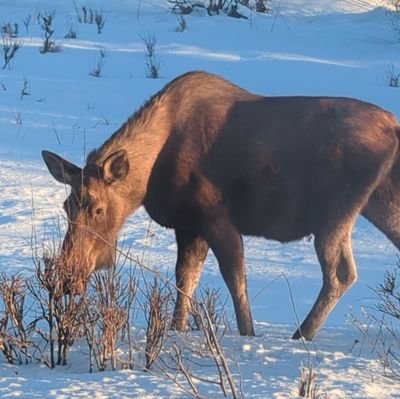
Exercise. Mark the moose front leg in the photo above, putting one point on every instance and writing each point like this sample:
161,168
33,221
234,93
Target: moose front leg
192,252
227,245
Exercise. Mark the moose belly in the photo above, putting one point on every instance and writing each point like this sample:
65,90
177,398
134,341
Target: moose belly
277,220
275,209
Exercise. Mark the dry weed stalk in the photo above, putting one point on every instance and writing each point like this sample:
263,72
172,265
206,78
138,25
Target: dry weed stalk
307,383
210,348
215,305
178,364
180,367
213,344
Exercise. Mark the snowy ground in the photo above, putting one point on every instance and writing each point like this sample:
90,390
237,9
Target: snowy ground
309,47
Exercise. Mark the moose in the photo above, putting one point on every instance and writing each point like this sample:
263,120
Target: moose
214,162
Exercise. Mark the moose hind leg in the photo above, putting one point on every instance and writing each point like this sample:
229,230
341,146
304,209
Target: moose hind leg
192,252
339,273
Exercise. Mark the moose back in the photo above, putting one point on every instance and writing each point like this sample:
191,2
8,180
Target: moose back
214,162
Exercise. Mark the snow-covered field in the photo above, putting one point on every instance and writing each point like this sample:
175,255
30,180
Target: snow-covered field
310,47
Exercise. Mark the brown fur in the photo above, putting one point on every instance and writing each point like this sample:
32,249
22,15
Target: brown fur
213,162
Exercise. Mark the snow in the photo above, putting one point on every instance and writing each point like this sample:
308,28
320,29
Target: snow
342,47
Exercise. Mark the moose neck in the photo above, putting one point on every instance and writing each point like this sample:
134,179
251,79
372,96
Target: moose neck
142,137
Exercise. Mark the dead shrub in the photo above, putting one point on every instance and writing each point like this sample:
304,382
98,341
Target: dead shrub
15,337
46,23
56,306
106,318
158,299
380,324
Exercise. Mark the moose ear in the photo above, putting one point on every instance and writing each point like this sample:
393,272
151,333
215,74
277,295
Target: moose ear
116,167
61,169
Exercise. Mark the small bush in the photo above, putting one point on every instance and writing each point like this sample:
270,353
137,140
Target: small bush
152,62
14,333
46,23
56,307
106,318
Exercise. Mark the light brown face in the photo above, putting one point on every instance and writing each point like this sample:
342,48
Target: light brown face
92,225
95,213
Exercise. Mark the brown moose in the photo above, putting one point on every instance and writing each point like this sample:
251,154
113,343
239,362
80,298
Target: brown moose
215,162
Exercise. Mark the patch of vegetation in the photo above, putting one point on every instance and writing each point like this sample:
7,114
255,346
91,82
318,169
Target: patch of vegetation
86,15
231,8
42,317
